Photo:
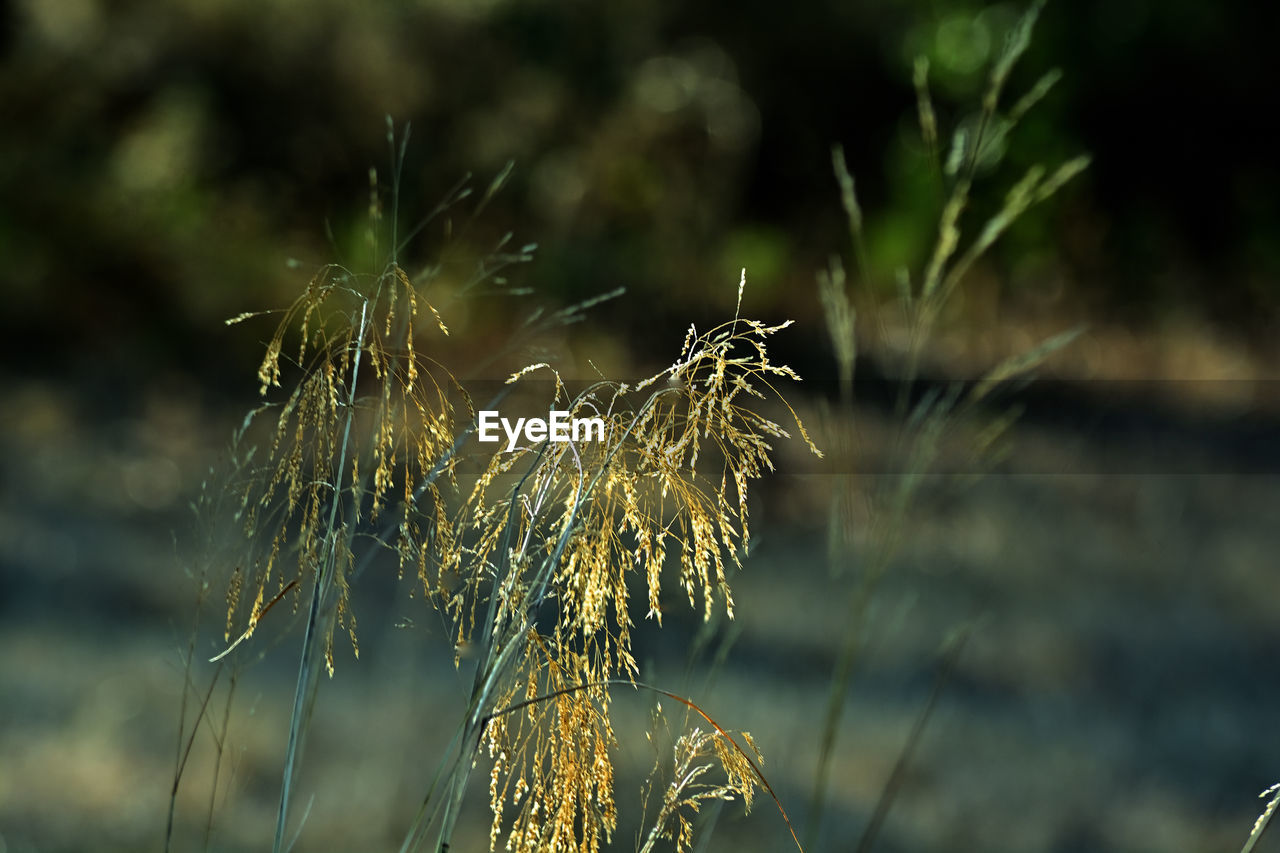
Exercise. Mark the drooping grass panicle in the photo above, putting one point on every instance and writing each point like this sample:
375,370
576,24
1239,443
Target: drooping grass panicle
740,764
531,556
578,522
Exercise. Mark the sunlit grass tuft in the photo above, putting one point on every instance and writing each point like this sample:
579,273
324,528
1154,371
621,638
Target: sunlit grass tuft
530,557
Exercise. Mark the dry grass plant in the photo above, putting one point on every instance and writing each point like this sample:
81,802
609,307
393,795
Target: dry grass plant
532,558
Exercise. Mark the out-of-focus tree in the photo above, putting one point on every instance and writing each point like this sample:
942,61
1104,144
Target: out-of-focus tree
160,162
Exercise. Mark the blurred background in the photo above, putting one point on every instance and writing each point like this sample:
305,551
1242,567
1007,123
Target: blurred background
164,167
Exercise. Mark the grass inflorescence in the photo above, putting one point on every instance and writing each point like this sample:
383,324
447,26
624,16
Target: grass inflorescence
531,557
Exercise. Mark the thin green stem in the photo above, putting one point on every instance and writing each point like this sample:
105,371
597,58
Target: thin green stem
891,786
319,593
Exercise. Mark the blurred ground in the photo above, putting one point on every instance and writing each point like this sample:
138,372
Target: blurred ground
160,164
1117,693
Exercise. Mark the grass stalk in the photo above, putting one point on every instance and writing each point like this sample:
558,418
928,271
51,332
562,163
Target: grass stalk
320,590
946,667
977,146
1264,819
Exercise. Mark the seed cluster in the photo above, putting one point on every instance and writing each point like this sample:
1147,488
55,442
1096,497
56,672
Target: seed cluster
533,564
